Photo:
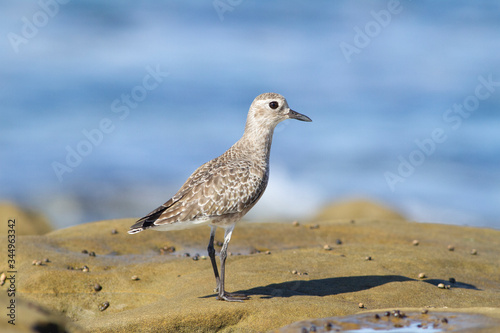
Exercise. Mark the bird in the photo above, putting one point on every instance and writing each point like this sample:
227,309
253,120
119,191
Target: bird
220,192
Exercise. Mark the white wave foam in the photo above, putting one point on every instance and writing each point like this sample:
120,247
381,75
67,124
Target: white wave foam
286,196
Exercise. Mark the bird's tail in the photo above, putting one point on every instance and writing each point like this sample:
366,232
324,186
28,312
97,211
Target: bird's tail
147,221
135,230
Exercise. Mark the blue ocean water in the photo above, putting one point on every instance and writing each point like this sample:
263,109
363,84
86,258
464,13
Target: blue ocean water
107,107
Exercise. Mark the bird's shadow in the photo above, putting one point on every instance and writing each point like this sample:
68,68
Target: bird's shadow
454,285
332,286
323,287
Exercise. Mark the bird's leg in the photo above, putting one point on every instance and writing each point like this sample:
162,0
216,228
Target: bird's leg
223,295
211,254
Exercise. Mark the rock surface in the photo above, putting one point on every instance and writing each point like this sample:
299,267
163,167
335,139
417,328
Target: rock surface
28,222
357,209
374,262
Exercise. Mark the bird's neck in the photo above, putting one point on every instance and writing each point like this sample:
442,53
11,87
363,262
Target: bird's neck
256,141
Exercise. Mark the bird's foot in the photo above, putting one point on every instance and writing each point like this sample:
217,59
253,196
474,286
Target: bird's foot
230,297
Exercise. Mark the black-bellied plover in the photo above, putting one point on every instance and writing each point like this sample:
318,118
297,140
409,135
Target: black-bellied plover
224,189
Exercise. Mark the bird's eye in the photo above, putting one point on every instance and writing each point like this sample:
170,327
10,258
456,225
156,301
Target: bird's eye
273,105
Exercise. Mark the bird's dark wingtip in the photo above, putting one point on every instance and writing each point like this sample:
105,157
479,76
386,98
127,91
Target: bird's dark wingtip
147,221
135,231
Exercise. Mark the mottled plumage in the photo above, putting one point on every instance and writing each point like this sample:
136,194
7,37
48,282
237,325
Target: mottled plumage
219,192
223,190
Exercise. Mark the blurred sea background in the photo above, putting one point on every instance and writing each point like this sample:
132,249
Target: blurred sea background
374,85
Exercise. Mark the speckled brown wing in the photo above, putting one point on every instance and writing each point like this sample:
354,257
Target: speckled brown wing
217,190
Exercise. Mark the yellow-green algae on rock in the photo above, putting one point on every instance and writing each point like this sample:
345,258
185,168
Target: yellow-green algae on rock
357,209
173,292
27,221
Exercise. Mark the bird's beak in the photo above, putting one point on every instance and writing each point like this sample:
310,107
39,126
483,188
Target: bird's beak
295,115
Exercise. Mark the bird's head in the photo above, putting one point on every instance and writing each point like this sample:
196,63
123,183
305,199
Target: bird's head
270,109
